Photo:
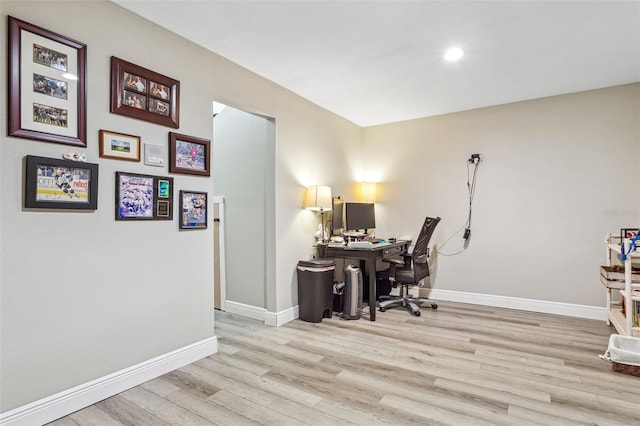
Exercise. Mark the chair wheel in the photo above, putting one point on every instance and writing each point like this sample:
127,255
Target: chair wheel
434,306
416,313
382,309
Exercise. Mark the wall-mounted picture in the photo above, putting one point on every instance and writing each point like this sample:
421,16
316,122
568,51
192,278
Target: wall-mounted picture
119,146
163,188
144,94
135,100
47,85
189,155
160,91
193,210
159,107
135,82
52,183
143,197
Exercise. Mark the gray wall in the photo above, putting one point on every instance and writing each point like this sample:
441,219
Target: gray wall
82,295
558,174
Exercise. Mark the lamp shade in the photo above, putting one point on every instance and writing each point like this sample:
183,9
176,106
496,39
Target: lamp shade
318,198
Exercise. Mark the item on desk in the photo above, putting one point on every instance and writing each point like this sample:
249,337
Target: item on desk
391,240
337,239
319,235
353,234
332,244
360,244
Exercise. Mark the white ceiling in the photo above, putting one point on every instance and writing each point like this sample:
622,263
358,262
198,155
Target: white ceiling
375,62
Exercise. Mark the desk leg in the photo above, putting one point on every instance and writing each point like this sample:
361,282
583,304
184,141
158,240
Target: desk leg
372,287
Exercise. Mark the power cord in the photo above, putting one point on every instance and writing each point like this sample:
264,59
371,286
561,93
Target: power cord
471,187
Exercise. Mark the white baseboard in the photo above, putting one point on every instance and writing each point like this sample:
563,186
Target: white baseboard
275,319
543,306
279,318
568,309
66,402
248,311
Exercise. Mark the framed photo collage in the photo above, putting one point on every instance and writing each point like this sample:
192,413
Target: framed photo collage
47,95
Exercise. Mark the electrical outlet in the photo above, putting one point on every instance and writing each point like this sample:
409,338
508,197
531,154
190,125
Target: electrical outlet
475,158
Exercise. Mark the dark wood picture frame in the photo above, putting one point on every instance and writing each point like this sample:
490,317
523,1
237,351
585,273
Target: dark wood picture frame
47,85
193,210
143,94
189,155
52,183
143,197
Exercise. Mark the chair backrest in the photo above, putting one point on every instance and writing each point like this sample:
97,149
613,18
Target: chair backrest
421,249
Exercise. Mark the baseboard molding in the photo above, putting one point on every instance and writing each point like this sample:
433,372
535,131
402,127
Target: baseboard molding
70,400
543,306
275,319
248,311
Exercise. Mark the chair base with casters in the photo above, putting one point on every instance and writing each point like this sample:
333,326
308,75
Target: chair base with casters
410,270
412,304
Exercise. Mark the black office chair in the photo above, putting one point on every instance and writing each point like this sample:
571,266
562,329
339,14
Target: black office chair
410,270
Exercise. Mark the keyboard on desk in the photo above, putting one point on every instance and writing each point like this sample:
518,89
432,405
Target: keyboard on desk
366,244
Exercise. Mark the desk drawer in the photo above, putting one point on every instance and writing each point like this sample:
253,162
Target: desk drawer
391,251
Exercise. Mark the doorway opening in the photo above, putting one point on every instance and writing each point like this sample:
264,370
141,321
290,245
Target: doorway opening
243,170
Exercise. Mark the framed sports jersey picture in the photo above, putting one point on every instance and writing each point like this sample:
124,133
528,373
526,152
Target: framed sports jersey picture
193,210
143,197
52,183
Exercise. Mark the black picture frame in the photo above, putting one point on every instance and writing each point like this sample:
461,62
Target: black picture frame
628,233
143,197
52,183
193,210
47,89
144,94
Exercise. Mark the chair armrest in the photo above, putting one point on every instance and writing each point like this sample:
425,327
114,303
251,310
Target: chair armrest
421,259
391,261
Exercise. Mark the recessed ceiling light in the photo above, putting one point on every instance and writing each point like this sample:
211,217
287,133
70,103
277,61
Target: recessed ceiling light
453,54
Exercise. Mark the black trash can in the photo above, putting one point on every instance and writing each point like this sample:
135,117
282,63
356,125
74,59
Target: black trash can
315,289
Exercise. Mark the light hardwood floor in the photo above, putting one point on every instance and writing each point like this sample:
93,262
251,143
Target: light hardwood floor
458,365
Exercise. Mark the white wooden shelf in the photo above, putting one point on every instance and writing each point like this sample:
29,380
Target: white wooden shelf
616,248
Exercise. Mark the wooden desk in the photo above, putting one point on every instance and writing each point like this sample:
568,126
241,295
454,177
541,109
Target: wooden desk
369,256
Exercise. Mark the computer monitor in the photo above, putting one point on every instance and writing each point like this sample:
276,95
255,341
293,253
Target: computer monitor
360,216
337,215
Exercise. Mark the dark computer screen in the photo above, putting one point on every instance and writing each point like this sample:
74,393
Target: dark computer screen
337,215
359,216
